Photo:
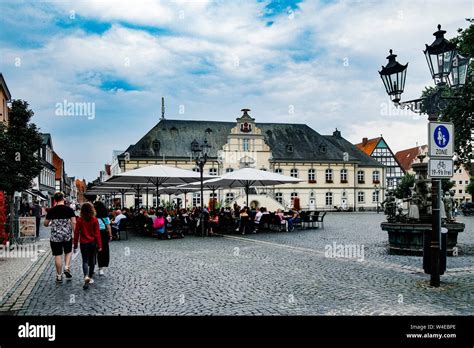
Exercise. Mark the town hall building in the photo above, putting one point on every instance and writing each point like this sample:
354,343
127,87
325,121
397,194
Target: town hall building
334,173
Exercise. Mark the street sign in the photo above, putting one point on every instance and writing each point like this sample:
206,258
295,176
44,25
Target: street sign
440,168
27,226
441,139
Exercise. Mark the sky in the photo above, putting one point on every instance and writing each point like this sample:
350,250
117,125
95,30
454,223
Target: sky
312,62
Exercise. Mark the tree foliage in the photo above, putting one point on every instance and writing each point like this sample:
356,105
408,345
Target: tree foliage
460,111
470,187
447,185
403,188
18,143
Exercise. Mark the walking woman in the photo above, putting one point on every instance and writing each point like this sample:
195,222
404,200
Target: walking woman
103,257
87,232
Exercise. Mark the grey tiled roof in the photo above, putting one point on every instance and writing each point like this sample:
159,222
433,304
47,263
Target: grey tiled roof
175,137
364,160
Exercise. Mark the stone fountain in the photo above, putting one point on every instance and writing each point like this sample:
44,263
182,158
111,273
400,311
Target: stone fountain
406,230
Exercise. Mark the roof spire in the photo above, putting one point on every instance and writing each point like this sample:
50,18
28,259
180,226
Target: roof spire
162,108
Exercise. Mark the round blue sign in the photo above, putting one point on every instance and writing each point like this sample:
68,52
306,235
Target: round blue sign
441,136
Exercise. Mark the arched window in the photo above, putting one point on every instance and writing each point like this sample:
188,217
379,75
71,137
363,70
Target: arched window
278,170
212,171
293,195
361,197
229,170
294,173
312,175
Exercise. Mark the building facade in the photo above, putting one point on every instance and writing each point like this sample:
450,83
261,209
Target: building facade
461,175
47,177
60,173
378,149
334,172
5,97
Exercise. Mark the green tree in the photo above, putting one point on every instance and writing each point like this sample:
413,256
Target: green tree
470,188
18,143
403,188
447,185
460,111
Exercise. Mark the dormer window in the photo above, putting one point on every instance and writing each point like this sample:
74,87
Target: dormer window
195,146
173,129
322,148
208,131
156,145
289,148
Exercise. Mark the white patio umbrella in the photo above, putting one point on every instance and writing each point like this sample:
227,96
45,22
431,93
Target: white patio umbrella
157,175
247,177
115,188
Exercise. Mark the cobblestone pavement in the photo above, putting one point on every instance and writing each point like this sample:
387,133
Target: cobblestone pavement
14,268
261,274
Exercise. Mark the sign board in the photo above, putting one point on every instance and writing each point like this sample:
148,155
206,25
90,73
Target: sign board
27,226
441,139
440,168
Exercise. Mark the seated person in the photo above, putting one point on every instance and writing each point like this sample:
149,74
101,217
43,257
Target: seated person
159,224
281,216
292,218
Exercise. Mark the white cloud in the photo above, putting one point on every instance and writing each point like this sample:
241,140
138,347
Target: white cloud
217,57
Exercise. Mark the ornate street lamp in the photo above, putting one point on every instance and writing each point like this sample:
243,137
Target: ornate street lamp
446,66
457,77
440,55
201,153
377,192
393,76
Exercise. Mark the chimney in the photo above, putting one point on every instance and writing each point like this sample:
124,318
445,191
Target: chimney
336,133
162,108
365,141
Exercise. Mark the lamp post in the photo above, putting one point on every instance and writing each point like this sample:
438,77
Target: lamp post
376,187
448,70
201,152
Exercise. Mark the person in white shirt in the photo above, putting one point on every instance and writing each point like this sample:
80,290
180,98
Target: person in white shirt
258,216
119,217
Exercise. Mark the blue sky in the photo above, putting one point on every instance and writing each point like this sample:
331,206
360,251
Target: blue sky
211,59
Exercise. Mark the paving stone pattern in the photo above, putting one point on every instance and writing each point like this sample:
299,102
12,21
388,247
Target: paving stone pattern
277,273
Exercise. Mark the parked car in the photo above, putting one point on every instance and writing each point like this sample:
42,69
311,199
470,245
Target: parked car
468,208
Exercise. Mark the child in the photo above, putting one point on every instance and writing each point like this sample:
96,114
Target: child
88,233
